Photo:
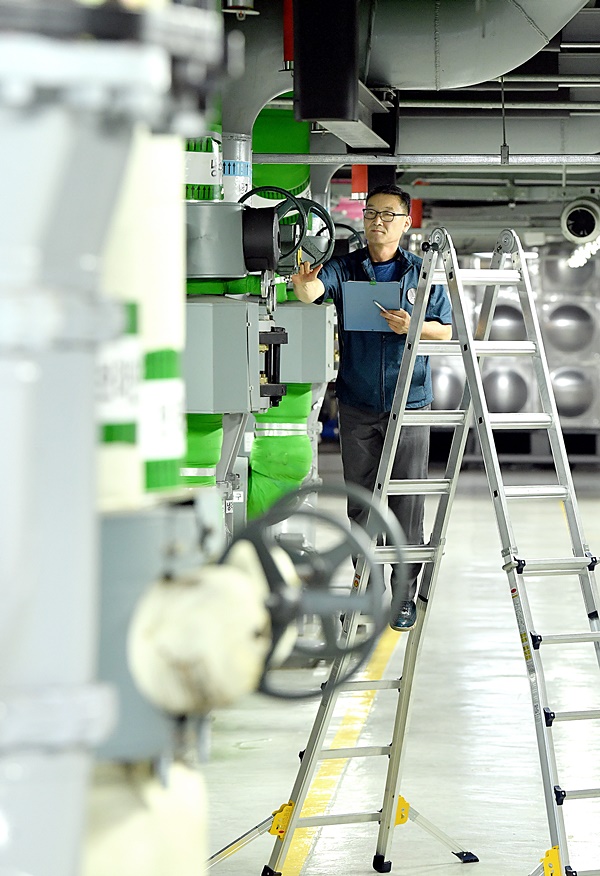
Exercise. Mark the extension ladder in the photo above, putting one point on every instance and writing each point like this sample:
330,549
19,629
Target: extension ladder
508,268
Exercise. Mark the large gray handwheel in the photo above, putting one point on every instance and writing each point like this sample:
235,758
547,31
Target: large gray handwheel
308,244
317,570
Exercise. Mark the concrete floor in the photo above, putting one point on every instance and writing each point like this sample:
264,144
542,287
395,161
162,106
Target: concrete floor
471,764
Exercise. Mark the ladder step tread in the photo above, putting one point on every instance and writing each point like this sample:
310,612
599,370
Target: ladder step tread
431,486
350,818
583,715
556,566
481,348
433,418
371,684
583,794
520,421
480,277
542,491
569,638
413,553
357,751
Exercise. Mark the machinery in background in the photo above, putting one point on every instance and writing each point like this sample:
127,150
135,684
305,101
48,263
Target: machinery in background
214,626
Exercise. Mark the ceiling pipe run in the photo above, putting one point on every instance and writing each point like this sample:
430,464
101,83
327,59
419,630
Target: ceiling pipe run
449,44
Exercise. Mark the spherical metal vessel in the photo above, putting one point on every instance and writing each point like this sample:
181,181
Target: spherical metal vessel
508,324
570,327
557,275
505,391
573,391
447,388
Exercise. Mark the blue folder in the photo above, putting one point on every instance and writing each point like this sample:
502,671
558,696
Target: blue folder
360,314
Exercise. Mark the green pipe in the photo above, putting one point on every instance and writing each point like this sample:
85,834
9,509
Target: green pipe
204,445
281,455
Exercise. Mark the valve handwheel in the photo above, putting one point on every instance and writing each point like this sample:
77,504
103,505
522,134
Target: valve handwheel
289,204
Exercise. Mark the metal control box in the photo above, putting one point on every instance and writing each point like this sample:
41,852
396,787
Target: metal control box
221,366
308,355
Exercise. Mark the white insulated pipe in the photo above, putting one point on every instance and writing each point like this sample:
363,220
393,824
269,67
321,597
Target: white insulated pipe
61,165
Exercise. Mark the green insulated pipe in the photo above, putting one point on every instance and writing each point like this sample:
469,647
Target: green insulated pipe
281,455
204,444
278,131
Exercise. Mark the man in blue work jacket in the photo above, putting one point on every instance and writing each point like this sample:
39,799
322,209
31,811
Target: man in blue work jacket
369,366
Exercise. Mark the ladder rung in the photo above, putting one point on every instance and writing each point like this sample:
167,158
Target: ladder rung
544,491
556,566
483,277
352,818
359,751
585,715
371,684
481,348
433,418
584,794
433,486
569,638
412,554
520,421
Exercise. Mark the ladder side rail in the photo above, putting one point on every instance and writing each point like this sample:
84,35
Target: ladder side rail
405,373
480,411
548,401
557,445
413,647
539,697
535,672
310,758
426,589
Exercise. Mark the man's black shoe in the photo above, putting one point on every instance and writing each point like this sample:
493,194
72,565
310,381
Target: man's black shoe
404,618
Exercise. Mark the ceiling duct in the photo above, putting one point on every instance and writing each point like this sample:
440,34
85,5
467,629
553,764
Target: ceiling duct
455,43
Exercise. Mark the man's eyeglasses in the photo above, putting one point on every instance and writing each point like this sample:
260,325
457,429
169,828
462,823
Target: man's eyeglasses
386,215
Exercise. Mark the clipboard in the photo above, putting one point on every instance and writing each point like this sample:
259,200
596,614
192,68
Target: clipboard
360,314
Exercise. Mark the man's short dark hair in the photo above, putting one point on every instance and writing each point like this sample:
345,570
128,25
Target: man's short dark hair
390,189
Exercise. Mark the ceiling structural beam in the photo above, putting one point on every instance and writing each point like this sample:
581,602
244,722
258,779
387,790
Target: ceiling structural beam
559,78
425,160
570,106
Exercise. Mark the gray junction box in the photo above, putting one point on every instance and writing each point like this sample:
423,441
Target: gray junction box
308,355
221,364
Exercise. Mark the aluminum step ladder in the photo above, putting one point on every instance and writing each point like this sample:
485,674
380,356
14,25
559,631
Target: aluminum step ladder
440,265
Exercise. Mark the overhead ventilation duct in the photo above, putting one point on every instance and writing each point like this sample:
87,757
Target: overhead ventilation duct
326,75
452,43
358,133
580,220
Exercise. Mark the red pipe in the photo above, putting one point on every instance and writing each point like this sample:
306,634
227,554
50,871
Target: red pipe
360,180
288,31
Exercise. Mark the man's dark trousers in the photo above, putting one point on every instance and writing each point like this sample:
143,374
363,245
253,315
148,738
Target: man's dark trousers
362,434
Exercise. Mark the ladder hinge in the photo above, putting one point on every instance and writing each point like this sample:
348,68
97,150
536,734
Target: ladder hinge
559,795
267,871
593,615
520,565
569,871
536,640
593,561
281,819
549,717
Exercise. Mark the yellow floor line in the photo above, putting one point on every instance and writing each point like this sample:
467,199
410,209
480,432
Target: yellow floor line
325,782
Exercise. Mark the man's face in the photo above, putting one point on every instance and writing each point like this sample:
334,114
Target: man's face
377,231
